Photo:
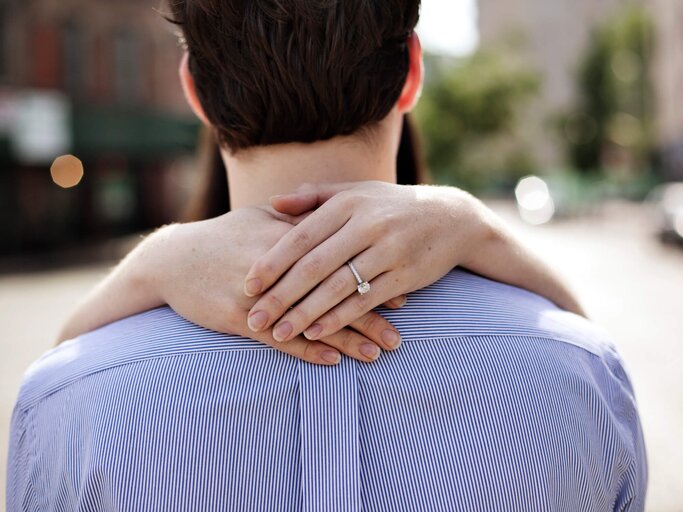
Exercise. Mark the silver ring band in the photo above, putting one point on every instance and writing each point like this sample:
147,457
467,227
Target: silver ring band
363,285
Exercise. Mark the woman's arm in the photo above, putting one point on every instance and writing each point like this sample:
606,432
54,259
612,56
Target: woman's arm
501,256
412,236
128,289
198,269
401,238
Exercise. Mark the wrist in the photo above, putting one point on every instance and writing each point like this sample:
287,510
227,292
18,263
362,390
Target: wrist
473,228
494,238
148,272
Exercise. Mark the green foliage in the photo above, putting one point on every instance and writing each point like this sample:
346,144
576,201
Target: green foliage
613,113
467,106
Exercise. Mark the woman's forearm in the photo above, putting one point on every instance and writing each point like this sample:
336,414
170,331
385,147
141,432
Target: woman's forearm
127,290
502,257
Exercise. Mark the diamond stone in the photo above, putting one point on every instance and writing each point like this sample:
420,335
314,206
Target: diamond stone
364,288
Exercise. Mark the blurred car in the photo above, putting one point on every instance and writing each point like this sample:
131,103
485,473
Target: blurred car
668,202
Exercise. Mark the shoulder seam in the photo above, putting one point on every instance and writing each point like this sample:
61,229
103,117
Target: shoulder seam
33,401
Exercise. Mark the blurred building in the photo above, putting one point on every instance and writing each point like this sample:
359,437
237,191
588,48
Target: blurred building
668,81
97,80
554,35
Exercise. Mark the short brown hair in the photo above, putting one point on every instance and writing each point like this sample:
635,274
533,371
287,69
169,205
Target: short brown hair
277,71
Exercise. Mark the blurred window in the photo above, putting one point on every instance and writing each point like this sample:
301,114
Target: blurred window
46,56
101,63
115,197
4,29
128,72
75,54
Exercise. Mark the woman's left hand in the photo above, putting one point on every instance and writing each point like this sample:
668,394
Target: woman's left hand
400,239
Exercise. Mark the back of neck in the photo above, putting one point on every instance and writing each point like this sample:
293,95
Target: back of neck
256,174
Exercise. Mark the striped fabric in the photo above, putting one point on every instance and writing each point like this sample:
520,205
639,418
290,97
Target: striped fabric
495,401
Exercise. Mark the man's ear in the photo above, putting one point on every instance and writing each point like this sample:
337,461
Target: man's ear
413,86
187,82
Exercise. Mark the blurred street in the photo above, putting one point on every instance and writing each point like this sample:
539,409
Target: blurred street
628,281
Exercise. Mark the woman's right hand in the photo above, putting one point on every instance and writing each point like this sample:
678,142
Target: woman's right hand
198,269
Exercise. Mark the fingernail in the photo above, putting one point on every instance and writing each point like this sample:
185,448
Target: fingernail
313,331
391,338
331,356
369,350
253,287
282,331
401,302
257,321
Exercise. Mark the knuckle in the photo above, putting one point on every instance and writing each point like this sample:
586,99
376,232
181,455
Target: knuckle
346,199
263,267
385,225
361,303
345,339
332,322
300,239
376,228
308,355
338,284
311,267
370,322
298,316
274,303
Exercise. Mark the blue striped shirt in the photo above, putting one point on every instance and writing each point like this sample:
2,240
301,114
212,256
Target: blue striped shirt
496,400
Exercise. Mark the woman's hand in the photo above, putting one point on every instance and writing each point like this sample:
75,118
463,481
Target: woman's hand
400,238
198,269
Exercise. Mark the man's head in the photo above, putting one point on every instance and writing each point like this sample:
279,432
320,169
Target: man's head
267,72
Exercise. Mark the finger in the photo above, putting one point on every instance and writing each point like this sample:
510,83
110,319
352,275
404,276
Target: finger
300,240
315,352
290,219
296,203
284,217
382,288
309,197
353,344
396,302
328,259
328,294
378,329
296,220
327,351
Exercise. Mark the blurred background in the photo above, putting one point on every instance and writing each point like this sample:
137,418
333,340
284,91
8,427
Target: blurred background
563,115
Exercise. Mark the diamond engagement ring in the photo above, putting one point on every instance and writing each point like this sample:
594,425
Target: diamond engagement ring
363,286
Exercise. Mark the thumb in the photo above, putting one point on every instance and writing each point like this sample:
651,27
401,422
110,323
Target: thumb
295,203
308,197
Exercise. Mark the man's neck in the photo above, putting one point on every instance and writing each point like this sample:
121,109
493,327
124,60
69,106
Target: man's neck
256,174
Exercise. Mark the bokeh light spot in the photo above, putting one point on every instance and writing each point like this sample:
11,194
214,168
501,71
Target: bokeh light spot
626,66
67,171
535,204
625,129
678,222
